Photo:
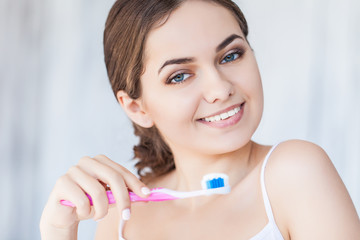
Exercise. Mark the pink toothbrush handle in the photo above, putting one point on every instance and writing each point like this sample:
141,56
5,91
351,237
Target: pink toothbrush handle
154,197
109,194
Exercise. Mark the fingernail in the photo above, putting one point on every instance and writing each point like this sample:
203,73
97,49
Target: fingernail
145,190
126,214
99,220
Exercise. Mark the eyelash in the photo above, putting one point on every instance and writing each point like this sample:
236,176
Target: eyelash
239,52
171,79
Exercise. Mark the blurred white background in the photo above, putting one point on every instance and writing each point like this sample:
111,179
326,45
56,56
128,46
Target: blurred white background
56,104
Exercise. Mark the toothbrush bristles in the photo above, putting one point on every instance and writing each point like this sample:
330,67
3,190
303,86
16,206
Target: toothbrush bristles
215,180
215,183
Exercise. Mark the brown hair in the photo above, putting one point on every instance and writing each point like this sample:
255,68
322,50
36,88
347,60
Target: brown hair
126,29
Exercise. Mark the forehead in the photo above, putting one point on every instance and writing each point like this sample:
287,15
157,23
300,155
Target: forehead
195,25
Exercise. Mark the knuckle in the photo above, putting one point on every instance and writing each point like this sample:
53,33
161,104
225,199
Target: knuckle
83,203
102,158
116,177
83,213
84,160
62,180
123,169
100,212
73,169
130,177
98,193
125,172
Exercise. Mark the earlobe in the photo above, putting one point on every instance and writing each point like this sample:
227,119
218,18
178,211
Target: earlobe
134,109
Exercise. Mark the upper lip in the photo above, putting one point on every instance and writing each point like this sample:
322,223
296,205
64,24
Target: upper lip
223,111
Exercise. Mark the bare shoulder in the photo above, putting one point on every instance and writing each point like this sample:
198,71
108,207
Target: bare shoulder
303,162
307,194
300,157
108,228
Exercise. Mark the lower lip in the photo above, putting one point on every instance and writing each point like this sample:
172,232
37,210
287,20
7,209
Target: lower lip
226,122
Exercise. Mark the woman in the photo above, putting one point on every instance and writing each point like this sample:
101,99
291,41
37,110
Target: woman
186,76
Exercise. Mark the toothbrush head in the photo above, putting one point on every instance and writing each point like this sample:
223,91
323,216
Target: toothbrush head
216,181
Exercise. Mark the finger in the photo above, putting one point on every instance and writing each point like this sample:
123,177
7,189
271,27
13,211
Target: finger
131,181
65,216
71,191
121,195
92,187
111,177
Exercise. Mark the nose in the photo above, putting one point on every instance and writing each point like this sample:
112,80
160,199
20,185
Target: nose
216,87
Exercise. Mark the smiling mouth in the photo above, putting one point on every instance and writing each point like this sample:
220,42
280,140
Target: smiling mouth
224,115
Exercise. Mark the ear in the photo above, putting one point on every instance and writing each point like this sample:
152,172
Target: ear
134,109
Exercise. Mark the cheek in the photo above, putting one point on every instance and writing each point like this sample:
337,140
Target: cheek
256,95
169,106
257,87
250,79
246,77
255,91
173,117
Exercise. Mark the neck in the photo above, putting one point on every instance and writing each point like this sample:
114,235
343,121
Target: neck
191,167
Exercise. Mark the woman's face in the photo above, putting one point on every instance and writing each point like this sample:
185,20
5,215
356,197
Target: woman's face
201,84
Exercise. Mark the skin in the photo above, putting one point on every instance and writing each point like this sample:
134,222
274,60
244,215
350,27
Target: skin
303,186
210,85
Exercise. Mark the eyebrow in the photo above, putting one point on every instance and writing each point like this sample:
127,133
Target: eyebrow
176,61
221,46
227,41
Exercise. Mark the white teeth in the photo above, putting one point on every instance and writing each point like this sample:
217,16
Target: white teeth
231,113
223,116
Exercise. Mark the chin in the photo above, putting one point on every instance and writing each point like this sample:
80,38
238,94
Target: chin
225,147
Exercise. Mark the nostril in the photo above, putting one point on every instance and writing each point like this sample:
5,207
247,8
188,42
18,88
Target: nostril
231,92
216,87
218,94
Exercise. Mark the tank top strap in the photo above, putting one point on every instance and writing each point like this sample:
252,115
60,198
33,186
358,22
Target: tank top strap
267,204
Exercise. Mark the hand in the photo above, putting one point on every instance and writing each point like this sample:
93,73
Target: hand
90,175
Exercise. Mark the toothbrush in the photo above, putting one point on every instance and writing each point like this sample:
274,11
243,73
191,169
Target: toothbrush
213,183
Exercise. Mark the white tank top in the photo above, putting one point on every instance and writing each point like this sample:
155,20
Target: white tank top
271,230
